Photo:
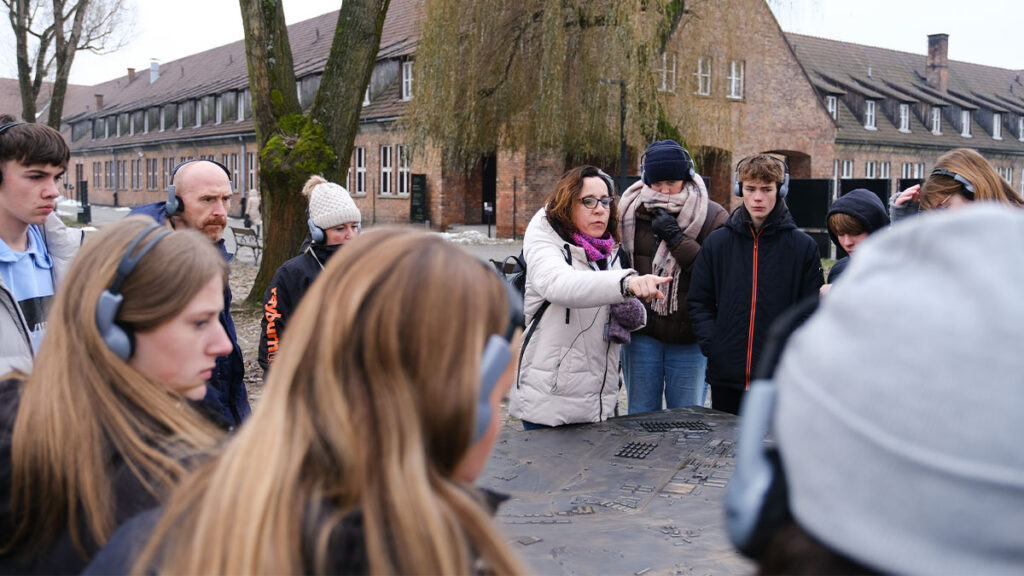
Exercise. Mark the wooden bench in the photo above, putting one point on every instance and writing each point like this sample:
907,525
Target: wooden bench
247,238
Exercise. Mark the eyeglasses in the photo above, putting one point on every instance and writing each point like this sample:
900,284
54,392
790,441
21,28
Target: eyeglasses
591,201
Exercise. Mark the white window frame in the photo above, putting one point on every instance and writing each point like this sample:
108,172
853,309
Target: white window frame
869,169
965,123
997,126
703,75
735,80
936,120
883,170
403,169
832,105
919,170
199,113
360,153
1020,128
241,105
181,116
1009,175
407,80
386,170
869,115
906,170
250,165
220,111
904,117
847,169
666,76
366,97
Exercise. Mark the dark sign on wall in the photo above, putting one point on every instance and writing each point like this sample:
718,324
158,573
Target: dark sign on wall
808,202
880,186
418,199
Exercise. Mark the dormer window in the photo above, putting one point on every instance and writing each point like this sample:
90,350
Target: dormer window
869,116
997,126
366,97
936,120
1020,128
965,123
407,80
904,117
832,104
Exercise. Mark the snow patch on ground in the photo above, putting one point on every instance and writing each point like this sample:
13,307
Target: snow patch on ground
474,238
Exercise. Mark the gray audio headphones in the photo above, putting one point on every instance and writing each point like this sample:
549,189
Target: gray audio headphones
737,186
496,356
174,203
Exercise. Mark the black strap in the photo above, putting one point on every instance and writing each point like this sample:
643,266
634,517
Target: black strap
528,335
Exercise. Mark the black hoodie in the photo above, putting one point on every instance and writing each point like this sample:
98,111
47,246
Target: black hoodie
866,208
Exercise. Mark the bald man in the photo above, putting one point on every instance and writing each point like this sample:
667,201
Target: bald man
199,197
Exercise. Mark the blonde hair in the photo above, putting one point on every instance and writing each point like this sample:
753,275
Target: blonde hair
370,408
988,185
313,182
82,402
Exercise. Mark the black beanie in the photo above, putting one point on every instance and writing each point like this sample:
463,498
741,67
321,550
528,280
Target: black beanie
666,160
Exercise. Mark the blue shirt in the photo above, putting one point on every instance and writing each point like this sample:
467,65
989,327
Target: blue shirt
29,277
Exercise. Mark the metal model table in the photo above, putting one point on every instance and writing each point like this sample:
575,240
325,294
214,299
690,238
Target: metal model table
637,495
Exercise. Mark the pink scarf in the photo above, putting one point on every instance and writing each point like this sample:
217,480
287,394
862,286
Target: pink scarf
596,248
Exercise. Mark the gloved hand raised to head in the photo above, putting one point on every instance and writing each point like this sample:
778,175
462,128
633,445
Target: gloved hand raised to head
665,227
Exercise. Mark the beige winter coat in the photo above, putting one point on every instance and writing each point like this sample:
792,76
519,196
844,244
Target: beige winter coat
569,371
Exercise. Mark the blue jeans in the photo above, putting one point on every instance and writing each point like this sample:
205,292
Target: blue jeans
654,369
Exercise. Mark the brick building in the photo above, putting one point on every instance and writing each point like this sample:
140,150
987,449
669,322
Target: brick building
729,79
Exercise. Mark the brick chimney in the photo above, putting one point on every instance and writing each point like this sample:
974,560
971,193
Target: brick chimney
99,101
131,75
154,70
937,69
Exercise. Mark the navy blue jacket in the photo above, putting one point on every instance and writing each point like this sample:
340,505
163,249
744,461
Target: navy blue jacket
867,209
741,282
225,392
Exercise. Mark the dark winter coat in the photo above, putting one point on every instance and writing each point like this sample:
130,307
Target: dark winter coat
61,557
225,392
867,209
741,282
675,328
282,296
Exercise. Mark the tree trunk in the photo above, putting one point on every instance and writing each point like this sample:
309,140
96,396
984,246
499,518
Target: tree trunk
64,49
339,101
18,14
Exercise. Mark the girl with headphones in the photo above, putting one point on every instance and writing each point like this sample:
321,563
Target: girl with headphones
375,422
960,176
334,220
101,430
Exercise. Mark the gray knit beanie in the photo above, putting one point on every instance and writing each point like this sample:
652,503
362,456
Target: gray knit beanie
901,402
330,205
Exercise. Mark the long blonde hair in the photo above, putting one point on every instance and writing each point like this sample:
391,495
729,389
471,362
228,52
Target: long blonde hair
81,404
370,407
989,186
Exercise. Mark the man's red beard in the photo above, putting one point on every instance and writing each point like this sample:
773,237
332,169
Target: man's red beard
214,226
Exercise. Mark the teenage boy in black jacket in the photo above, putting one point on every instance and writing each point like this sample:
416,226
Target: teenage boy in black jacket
749,272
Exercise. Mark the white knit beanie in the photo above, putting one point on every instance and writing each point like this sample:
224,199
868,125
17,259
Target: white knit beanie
901,402
330,205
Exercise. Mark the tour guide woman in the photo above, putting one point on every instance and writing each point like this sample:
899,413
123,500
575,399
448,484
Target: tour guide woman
569,367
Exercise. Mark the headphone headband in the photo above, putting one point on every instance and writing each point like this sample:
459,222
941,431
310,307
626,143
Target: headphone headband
737,186
174,204
968,186
9,125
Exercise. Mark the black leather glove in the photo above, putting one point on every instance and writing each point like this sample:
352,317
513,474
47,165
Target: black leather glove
666,227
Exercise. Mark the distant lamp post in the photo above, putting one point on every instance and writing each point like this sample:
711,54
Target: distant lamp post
623,177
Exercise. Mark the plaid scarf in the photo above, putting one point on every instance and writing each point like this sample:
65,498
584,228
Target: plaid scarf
596,248
691,208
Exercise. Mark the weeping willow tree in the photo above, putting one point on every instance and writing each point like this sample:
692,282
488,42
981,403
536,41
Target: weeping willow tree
540,74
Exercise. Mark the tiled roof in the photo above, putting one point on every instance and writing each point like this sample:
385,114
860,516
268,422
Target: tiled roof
880,73
10,96
386,105
224,68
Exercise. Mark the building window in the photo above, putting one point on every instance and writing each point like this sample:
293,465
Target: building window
360,153
936,120
250,177
666,75
883,170
832,104
97,178
847,169
904,117
1020,128
366,97
234,171
407,80
385,170
997,126
919,170
703,75
965,123
1009,175
869,115
403,169
219,111
199,113
736,80
108,175
244,105
869,169
122,174
905,170
181,116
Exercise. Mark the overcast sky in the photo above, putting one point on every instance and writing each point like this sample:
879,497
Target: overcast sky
980,31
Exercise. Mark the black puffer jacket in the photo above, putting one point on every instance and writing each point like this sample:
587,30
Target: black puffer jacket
282,297
742,281
866,208
675,328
